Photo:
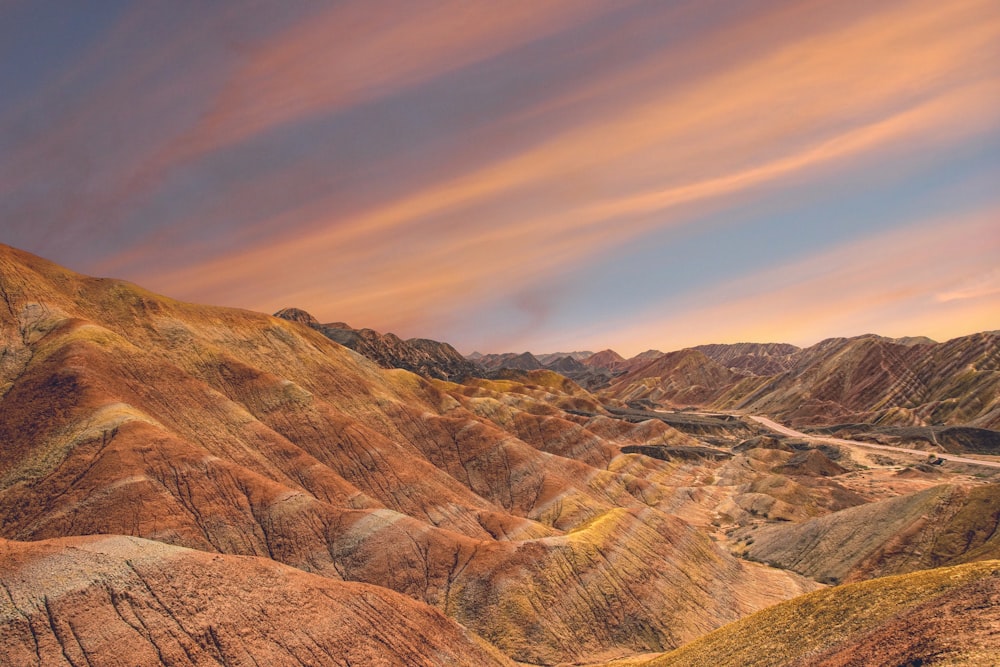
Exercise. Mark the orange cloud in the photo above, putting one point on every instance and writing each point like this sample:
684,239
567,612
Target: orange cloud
883,82
357,52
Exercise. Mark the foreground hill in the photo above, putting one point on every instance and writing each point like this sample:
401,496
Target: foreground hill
497,502
128,601
947,616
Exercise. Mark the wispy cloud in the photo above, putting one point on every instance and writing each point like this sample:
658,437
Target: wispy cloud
813,103
974,287
567,129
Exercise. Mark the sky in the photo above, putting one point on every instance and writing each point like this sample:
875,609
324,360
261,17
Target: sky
544,175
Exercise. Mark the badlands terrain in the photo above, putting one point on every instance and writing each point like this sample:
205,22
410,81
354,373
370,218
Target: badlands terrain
193,485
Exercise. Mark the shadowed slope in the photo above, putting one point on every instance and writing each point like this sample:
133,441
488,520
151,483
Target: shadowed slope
128,601
239,433
524,361
944,616
430,358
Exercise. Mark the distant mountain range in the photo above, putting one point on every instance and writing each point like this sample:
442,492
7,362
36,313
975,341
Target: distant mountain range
429,358
911,381
872,379
869,379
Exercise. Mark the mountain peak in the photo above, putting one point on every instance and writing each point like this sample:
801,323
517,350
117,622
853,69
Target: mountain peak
604,359
297,315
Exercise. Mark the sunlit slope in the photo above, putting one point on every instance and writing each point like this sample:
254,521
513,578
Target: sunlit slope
947,616
866,379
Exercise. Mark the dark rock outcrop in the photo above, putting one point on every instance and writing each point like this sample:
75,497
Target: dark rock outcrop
678,453
430,358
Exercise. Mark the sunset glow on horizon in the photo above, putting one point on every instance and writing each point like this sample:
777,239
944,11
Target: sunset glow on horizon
541,176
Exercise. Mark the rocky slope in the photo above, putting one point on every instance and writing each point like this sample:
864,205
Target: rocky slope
867,379
752,358
605,359
128,601
876,380
946,616
566,366
943,525
646,356
685,377
548,357
430,358
505,504
593,378
525,361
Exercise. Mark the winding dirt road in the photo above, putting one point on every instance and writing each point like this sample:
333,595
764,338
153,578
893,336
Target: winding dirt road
784,430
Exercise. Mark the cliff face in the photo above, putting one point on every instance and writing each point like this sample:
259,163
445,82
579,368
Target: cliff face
430,358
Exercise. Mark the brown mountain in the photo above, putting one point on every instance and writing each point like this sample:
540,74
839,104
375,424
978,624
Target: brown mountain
638,360
549,357
873,379
101,600
525,361
592,378
685,377
605,359
566,365
942,525
504,504
429,358
752,358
